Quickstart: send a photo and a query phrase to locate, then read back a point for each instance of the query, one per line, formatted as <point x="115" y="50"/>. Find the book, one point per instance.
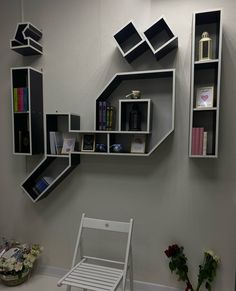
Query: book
<point x="68" y="145"/>
<point x="20" y="93"/>
<point x="197" y="140"/>
<point x="200" y="141"/>
<point x="42" y="184"/>
<point x="52" y="142"/>
<point x="100" y="115"/>
<point x="193" y="147"/>
<point x="104" y="112"/>
<point x="56" y="142"/>
<point x="15" y="99"/>
<point x="204" y="151"/>
<point x="110" y="117"/>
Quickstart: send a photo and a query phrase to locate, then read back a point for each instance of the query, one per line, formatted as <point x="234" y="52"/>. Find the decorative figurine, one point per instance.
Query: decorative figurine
<point x="135" y="118"/>
<point x="205" y="47"/>
<point x="135" y="94"/>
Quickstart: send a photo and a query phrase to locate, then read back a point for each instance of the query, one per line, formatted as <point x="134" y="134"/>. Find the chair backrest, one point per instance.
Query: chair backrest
<point x="107" y="225"/>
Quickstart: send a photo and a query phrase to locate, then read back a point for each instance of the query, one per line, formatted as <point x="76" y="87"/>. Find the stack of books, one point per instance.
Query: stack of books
<point x="199" y="141"/>
<point x="42" y="184"/>
<point x="106" y="116"/>
<point x="20" y="99"/>
<point x="56" y="142"/>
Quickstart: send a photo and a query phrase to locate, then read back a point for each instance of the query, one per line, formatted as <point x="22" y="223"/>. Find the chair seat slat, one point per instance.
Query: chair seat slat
<point x="96" y="276"/>
<point x="73" y="284"/>
<point x="98" y="267"/>
<point x="72" y="276"/>
<point x="97" y="272"/>
<point x="88" y="284"/>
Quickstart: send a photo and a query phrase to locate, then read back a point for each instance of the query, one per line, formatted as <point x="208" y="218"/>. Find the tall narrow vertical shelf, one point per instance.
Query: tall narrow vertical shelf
<point x="54" y="167"/>
<point x="204" y="121"/>
<point x="27" y="111"/>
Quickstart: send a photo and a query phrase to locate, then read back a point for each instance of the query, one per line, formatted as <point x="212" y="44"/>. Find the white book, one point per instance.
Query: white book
<point x="204" y="143"/>
<point x="52" y="140"/>
<point x="58" y="142"/>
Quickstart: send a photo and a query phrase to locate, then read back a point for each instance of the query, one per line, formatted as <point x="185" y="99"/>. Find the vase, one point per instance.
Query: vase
<point x="14" y="280"/>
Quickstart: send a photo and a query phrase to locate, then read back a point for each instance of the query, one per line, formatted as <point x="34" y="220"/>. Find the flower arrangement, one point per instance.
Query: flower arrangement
<point x="178" y="264"/>
<point x="17" y="260"/>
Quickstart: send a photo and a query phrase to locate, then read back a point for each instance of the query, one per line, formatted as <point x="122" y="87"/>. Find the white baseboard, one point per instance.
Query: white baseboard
<point x="138" y="285"/>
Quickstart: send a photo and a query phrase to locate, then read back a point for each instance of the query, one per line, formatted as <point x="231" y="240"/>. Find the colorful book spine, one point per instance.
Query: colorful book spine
<point x="15" y="99"/>
<point x="100" y="115"/>
<point x="20" y="99"/>
<point x="201" y="133"/>
<point x="104" y="117"/>
<point x="204" y="143"/>
<point x="193" y="148"/>
<point x="197" y="141"/>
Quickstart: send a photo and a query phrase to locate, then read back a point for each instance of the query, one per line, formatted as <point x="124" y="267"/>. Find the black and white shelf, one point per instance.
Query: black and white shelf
<point x="26" y="40"/>
<point x="205" y="73"/>
<point x="27" y="111"/>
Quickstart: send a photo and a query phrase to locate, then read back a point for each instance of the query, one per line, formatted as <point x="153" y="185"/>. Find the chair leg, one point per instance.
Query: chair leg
<point x="68" y="288"/>
<point x="131" y="282"/>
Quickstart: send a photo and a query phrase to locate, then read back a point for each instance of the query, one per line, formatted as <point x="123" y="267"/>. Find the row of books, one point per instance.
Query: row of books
<point x="20" y="99"/>
<point x="42" y="184"/>
<point x="59" y="144"/>
<point x="106" y="116"/>
<point x="199" y="141"/>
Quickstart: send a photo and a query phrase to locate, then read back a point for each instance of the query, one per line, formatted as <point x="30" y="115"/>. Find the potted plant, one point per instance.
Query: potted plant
<point x="178" y="264"/>
<point x="17" y="261"/>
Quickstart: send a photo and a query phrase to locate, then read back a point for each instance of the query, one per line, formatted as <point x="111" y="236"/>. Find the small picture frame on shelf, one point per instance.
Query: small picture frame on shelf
<point x="68" y="145"/>
<point x="88" y="143"/>
<point x="204" y="97"/>
<point x="138" y="144"/>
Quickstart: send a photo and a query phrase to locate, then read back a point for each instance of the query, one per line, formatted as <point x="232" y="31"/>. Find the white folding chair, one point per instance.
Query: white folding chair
<point x="92" y="276"/>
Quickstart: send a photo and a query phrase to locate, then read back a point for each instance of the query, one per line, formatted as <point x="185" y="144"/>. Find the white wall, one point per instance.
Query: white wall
<point x="171" y="197"/>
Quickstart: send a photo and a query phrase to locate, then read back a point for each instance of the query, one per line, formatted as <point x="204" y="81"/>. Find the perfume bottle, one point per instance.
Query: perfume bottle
<point x="135" y="117"/>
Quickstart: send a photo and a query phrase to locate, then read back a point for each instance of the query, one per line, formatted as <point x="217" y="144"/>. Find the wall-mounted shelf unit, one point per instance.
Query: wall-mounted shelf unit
<point x="156" y="105"/>
<point x="205" y="86"/>
<point x="27" y="111"/>
<point x="54" y="167"/>
<point x="26" y="40"/>
<point x="160" y="38"/>
<point x="130" y="42"/>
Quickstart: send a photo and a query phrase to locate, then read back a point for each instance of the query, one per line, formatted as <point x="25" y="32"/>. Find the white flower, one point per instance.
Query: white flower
<point x="213" y="255"/>
<point x="18" y="266"/>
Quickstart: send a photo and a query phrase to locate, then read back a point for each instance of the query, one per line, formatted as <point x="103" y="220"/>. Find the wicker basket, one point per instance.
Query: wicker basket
<point x="10" y="280"/>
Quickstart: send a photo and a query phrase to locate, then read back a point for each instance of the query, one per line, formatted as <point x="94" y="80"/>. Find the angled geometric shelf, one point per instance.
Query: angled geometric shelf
<point x="26" y="39"/>
<point x="54" y="167"/>
<point x="157" y="109"/>
<point x="157" y="106"/>
<point x="130" y="42"/>
<point x="160" y="38"/>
